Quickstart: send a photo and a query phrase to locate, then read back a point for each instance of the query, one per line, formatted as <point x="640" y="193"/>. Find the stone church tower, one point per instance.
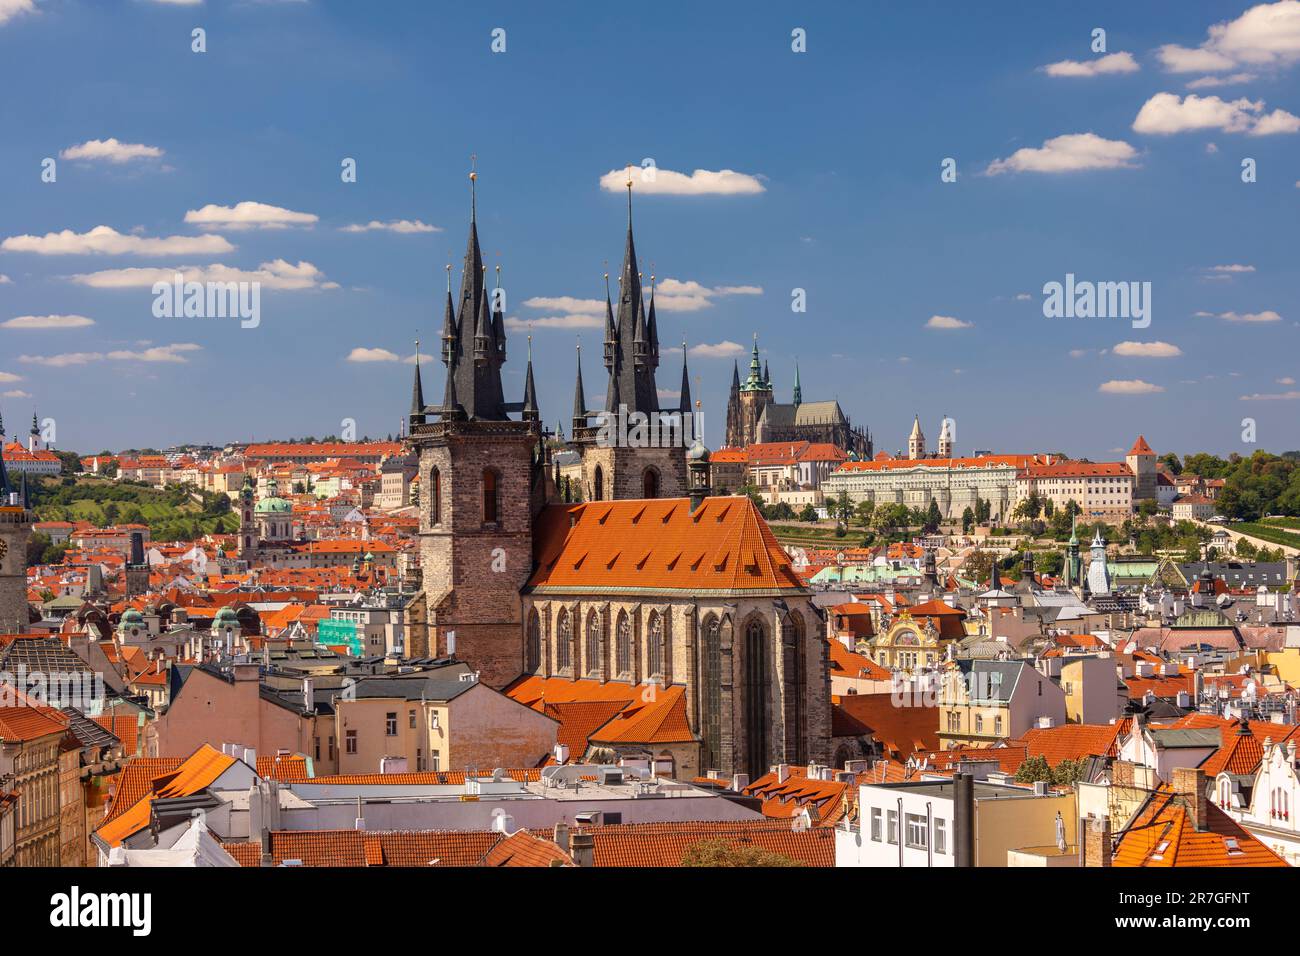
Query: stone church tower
<point x="634" y="451"/>
<point x="15" y="530"/>
<point x="747" y="401"/>
<point x="483" y="479"/>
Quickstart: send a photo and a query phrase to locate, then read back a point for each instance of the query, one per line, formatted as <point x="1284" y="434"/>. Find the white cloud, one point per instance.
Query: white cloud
<point x="277" y="274"/>
<point x="248" y="215"/>
<point x="666" y="182"/>
<point x="404" y="226"/>
<point x="11" y="8"/>
<point x="17" y="393"/>
<point x="1079" y="353"/>
<point x="8" y="377"/>
<point x="5" y="280"/>
<point x="1268" y="315"/>
<point x="724" y="349"/>
<point x="1232" y="268"/>
<point x="1111" y="63"/>
<point x="47" y="322"/>
<point x="1266" y="35"/>
<point x="107" y="241"/>
<point x="110" y="151"/>
<point x="1211" y="82"/>
<point x="1071" y="152"/>
<point x="572" y="321"/>
<point x="946" y="322"/>
<point x="1147" y="350"/>
<point x="1023" y="296"/>
<point x="1278" y="121"/>
<point x="1272" y="397"/>
<point x="1181" y="59"/>
<point x="1168" y="113"/>
<point x="372" y="355"/>
<point x="1286" y="380"/>
<point x="1133" y="386"/>
<point x="565" y="303"/>
<point x="159" y="353"/>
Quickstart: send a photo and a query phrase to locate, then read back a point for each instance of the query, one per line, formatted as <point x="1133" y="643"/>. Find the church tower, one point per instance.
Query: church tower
<point x="1141" y="460"/>
<point x="945" y="438"/>
<point x="636" y="450"/>
<point x="483" y="479"/>
<point x="249" y="541"/>
<point x="15" y="530"/>
<point x="916" y="440"/>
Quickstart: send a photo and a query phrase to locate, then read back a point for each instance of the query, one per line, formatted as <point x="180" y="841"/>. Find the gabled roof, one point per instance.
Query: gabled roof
<point x="1140" y="447"/>
<point x="657" y="545"/>
<point x="1164" y="834"/>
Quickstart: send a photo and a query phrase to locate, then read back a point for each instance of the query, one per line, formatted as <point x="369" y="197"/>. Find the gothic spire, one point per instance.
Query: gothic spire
<point x="611" y="331"/>
<point x="735" y="375"/>
<point x="530" y="390"/>
<point x="579" y="398"/>
<point x="417" y="391"/>
<point x="685" y="403"/>
<point x="631" y="372"/>
<point x="798" y="392"/>
<point x="652" y="325"/>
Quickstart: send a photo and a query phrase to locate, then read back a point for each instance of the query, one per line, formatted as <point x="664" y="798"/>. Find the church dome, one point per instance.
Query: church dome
<point x="273" y="505"/>
<point x="225" y="618"/>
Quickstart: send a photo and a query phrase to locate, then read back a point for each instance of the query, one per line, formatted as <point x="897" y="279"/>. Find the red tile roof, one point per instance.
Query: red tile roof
<point x="902" y="731"/>
<point x="1163" y="834"/>
<point x="723" y="546"/>
<point x="664" y="844"/>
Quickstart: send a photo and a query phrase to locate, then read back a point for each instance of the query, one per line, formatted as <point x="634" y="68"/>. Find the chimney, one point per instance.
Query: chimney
<point x="1096" y="842"/>
<point x="1189" y="785"/>
<point x="361" y="820"/>
<point x="782" y="772"/>
<point x="562" y="836"/>
<point x="739" y="782"/>
<point x="963" y="823"/>
<point x="583" y="848"/>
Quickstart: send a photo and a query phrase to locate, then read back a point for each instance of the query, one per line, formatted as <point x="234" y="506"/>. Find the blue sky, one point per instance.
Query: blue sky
<point x="836" y="154"/>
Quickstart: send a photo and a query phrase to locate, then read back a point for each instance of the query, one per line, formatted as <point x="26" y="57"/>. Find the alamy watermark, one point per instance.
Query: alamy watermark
<point x="83" y="690"/>
<point x="624" y="429"/>
<point x="209" y="300"/>
<point x="1100" y="300"/>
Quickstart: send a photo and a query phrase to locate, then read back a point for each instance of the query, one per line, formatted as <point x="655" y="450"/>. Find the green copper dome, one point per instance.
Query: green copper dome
<point x="273" y="504"/>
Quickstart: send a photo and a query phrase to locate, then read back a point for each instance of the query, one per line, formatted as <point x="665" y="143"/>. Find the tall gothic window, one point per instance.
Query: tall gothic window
<point x="592" y="658"/>
<point x="711" y="694"/>
<point x="756" y="690"/>
<point x="650" y="484"/>
<point x="599" y="483"/>
<point x="491" y="496"/>
<point x="655" y="634"/>
<point x="564" y="642"/>
<point x="533" y="647"/>
<point x="435" y="497"/>
<point x="623" y="646"/>
<point x="796" y="676"/>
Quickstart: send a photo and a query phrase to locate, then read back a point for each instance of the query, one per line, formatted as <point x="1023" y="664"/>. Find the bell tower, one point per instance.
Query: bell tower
<point x="482" y="481"/>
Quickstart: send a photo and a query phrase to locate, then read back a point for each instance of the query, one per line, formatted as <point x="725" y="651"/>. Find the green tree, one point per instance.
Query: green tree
<point x="933" y="517"/>
<point x="967" y="520"/>
<point x="864" y="511"/>
<point x="1033" y="770"/>
<point x="808" y="514"/>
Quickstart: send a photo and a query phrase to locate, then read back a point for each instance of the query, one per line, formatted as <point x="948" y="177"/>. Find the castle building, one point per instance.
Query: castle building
<point x="916" y="440"/>
<point x="754" y="417"/>
<point x="651" y="590"/>
<point x="1141" y="461"/>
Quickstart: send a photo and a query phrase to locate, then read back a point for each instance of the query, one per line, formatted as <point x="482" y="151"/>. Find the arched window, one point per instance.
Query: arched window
<point x="564" y="642"/>
<point x="592" y="655"/>
<point x="435" y="497"/>
<point x="650" y="484"/>
<point x="655" y="632"/>
<point x="533" y="644"/>
<point x="711" y="694"/>
<point x="623" y="646"/>
<point x="756" y="690"/>
<point x="599" y="484"/>
<point x="796" y="678"/>
<point x="491" y="496"/>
